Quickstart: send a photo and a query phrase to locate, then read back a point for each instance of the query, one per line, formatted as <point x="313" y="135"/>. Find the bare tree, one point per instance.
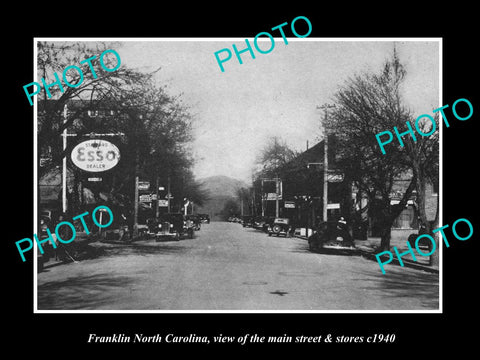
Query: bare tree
<point x="275" y="154"/>
<point x="423" y="158"/>
<point x="366" y="105"/>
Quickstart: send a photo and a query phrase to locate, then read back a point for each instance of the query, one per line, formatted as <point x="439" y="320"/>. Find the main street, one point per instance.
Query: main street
<point x="228" y="267"/>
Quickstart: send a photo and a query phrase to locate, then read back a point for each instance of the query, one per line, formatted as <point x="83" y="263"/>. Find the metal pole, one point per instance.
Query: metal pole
<point x="156" y="202"/>
<point x="168" y="194"/>
<point x="276" y="197"/>
<point x="325" y="108"/>
<point x="64" y="163"/>
<point x="325" y="179"/>
<point x="263" y="209"/>
<point x="135" y="209"/>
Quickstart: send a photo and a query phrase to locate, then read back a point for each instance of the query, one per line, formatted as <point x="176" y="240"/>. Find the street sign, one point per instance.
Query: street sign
<point x="273" y="196"/>
<point x="168" y="196"/>
<point x="289" y="205"/>
<point x="95" y="155"/>
<point x="94" y="179"/>
<point x="163" y="203"/>
<point x="335" y="178"/>
<point x="143" y="185"/>
<point x="333" y="206"/>
<point x="145" y="198"/>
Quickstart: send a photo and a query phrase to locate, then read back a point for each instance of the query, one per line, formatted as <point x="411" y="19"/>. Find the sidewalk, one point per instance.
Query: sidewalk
<point x="81" y="242"/>
<point x="80" y="249"/>
<point x="368" y="249"/>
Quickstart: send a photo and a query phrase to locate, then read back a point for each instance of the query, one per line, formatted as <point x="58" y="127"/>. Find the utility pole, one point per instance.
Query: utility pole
<point x="156" y="197"/>
<point x="325" y="178"/>
<point x="137" y="171"/>
<point x="325" y="108"/>
<point x="254" y="205"/>
<point x="135" y="205"/>
<point x="261" y="193"/>
<point x="277" y="208"/>
<point x="168" y="194"/>
<point x="64" y="162"/>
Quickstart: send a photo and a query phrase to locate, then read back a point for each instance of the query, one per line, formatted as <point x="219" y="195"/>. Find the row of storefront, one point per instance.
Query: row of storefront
<point x="301" y="196"/>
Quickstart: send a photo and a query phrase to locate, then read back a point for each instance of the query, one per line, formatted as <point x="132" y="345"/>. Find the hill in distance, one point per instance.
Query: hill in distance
<point x="221" y="188"/>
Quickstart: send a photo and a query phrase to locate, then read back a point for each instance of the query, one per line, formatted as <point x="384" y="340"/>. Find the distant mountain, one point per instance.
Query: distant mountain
<point x="221" y="188"/>
<point x="221" y="185"/>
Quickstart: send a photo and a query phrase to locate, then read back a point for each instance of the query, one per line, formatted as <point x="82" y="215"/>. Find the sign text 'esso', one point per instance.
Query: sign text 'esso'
<point x="95" y="155"/>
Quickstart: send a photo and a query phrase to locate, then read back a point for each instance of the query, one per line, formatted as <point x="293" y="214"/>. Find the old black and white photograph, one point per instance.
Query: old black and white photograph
<point x="234" y="175"/>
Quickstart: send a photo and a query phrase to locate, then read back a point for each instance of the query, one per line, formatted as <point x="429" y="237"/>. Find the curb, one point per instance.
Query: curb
<point x="406" y="263"/>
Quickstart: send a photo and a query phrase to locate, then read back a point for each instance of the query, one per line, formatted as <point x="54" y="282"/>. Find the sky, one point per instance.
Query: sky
<point x="275" y="94"/>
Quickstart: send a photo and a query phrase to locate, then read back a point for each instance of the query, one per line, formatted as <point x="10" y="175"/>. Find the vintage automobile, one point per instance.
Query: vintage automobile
<point x="269" y="220"/>
<point x="423" y="243"/>
<point x="258" y="222"/>
<point x="247" y="221"/>
<point x="204" y="218"/>
<point x="170" y="227"/>
<point x="195" y="221"/>
<point x="331" y="235"/>
<point x="280" y="226"/>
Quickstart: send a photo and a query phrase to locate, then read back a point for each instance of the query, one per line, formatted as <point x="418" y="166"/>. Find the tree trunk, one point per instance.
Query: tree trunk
<point x="386" y="235"/>
<point x="391" y="212"/>
<point x="421" y="185"/>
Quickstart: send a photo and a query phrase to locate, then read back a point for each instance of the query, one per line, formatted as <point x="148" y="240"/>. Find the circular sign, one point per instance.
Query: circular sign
<point x="95" y="155"/>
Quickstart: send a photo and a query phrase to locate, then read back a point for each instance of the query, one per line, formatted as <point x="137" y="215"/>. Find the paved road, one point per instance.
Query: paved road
<point x="227" y="267"/>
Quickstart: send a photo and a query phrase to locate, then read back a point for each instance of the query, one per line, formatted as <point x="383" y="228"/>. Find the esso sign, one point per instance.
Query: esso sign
<point x="95" y="155"/>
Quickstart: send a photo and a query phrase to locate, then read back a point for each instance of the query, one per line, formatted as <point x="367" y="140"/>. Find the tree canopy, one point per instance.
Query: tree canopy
<point x="154" y="127"/>
<point x="366" y="105"/>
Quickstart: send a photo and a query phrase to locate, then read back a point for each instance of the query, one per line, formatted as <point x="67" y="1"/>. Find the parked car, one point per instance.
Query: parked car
<point x="195" y="221"/>
<point x="280" y="226"/>
<point x="331" y="235"/>
<point x="423" y="243"/>
<point x="171" y="227"/>
<point x="258" y="222"/>
<point x="204" y="218"/>
<point x="247" y="221"/>
<point x="269" y="220"/>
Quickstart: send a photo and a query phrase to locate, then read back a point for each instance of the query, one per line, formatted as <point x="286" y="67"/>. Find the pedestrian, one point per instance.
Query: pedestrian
<point x="130" y="225"/>
<point x="343" y="230"/>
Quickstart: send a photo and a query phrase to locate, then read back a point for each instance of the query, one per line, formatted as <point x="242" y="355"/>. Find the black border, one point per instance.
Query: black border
<point x="50" y="332"/>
